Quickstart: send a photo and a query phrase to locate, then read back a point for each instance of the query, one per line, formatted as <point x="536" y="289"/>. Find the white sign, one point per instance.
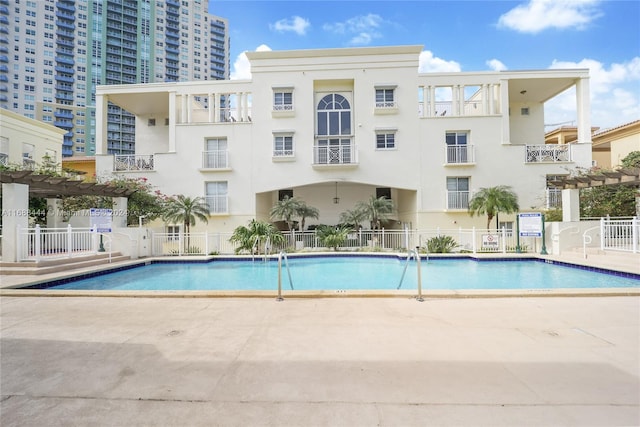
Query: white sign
<point x="530" y="224"/>
<point x="490" y="241"/>
<point x="101" y="219"/>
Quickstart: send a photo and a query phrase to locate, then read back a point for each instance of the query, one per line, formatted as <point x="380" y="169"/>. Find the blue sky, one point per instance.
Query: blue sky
<point x="603" y="36"/>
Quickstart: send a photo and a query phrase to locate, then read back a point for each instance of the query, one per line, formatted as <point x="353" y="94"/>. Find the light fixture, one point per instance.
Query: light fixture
<point x="522" y="92"/>
<point x="336" y="199"/>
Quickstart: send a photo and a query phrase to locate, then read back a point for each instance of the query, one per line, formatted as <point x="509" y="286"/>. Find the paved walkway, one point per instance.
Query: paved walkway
<point x="324" y="361"/>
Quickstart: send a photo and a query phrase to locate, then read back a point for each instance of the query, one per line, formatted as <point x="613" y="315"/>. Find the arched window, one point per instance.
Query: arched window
<point x="334" y="115"/>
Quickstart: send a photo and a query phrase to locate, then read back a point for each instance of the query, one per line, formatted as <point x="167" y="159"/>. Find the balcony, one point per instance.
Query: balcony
<point x="548" y="153"/>
<point x="4" y="159"/>
<point x="28" y="163"/>
<point x="457" y="200"/>
<point x="217" y="204"/>
<point x="133" y="163"/>
<point x="460" y="155"/>
<point x="215" y="159"/>
<point x="334" y="152"/>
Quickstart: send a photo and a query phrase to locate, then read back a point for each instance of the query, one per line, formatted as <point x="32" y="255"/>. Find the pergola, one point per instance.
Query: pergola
<point x="55" y="187"/>
<point x="624" y="176"/>
<point x="17" y="186"/>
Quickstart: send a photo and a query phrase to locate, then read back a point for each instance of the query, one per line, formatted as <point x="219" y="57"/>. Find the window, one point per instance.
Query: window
<point x="385" y="98"/>
<point x="216" y="196"/>
<point x="282" y="194"/>
<point x="282" y="100"/>
<point x="457" y="148"/>
<point x="385" y="140"/>
<point x="283" y="145"/>
<point x="334" y="131"/>
<point x="215" y="155"/>
<point x="457" y="193"/>
<point x="383" y="192"/>
<point x="173" y="232"/>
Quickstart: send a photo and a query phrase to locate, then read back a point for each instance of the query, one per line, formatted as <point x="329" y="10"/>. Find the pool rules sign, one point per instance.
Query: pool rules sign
<point x="531" y="225"/>
<point x="101" y="219"/>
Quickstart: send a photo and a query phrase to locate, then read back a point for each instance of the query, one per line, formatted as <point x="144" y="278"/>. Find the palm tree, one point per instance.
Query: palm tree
<point x="376" y="210"/>
<point x="332" y="237"/>
<point x="491" y="201"/>
<point x="185" y="210"/>
<point x="286" y="210"/>
<point x="305" y="211"/>
<point x="254" y="235"/>
<point x="353" y="217"/>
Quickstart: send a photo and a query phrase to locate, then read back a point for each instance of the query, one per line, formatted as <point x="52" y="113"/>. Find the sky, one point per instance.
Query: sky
<point x="472" y="35"/>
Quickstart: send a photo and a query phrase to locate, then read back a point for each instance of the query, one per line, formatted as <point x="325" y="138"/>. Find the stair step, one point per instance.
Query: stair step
<point x="55" y="266"/>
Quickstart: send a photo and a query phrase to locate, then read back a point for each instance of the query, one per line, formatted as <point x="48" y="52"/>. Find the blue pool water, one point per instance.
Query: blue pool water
<point x="352" y="273"/>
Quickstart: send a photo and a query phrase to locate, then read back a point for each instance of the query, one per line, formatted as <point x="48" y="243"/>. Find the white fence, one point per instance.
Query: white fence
<point x="36" y="244"/>
<point x="467" y="240"/>
<point x="620" y="234"/>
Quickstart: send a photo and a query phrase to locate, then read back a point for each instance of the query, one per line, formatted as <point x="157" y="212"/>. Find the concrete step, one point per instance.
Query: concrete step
<point x="58" y="265"/>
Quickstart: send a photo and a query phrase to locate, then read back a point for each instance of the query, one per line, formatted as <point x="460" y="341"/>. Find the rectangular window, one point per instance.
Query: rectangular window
<point x="283" y="145"/>
<point x="385" y="140"/>
<point x="457" y="147"/>
<point x="173" y="232"/>
<point x="457" y="192"/>
<point x="385" y="98"/>
<point x="282" y="100"/>
<point x="216" y="155"/>
<point x="383" y="192"/>
<point x="216" y="196"/>
<point x="285" y="193"/>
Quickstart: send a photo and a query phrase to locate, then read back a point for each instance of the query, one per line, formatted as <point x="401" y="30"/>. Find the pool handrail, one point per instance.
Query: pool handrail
<point x="415" y="252"/>
<point x="281" y="255"/>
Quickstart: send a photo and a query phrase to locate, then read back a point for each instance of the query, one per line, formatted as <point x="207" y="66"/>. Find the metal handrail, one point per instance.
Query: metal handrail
<point x="415" y="253"/>
<point x="586" y="239"/>
<point x="282" y="255"/>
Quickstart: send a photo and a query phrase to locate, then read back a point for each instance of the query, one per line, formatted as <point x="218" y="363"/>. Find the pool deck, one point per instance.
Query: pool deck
<point x="446" y="361"/>
<point x="320" y="362"/>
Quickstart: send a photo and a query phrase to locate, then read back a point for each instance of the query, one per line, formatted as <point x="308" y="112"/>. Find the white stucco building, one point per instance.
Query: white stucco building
<point x="335" y="126"/>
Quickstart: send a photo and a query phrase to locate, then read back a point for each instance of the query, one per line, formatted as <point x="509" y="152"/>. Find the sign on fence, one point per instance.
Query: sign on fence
<point x="530" y="224"/>
<point x="490" y="241"/>
<point x="101" y="219"/>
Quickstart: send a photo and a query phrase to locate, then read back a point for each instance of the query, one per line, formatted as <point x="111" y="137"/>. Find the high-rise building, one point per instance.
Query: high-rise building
<point x="53" y="54"/>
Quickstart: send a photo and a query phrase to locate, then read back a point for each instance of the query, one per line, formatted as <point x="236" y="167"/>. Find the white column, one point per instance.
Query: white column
<point x="485" y="100"/>
<point x="504" y="102"/>
<point x="218" y="108"/>
<point x="101" y="125"/>
<point x="183" y="109"/>
<point x="212" y="109"/>
<point x="583" y="111"/>
<point x="15" y="208"/>
<point x="172" y="122"/>
<point x="189" y="107"/>
<point x="432" y="101"/>
<point x="570" y="205"/>
<point x="425" y="102"/>
<point x="239" y="107"/>
<point x="55" y="214"/>
<point x="119" y="212"/>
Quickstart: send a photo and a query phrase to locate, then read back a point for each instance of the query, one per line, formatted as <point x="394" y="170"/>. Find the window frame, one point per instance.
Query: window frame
<point x="283" y="151"/>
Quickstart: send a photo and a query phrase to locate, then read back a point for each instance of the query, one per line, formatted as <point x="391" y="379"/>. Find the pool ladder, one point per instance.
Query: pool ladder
<point x="283" y="255"/>
<point x="416" y="254"/>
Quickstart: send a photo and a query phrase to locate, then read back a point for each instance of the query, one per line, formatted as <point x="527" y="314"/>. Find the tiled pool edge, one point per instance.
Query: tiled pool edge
<point x="40" y="287"/>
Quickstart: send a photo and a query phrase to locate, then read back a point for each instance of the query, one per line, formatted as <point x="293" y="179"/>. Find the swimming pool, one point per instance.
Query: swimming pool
<point x="353" y="273"/>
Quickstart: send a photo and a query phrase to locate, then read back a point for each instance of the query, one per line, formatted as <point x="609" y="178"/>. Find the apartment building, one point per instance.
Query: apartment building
<point x="53" y="54"/>
<point x="336" y="126"/>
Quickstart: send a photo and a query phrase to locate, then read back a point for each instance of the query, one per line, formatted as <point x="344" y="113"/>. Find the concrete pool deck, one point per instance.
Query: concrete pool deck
<point x="323" y="361"/>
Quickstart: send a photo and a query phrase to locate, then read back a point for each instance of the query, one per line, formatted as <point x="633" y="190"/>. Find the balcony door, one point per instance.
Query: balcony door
<point x="333" y="129"/>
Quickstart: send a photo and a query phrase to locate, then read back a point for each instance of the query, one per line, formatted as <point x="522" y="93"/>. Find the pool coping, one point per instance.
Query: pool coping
<point x="29" y="288"/>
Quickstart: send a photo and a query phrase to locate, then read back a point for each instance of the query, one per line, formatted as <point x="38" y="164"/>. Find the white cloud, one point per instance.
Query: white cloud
<point x="242" y="67"/>
<point x="538" y="15"/>
<point x="363" y="28"/>
<point x="615" y="96"/>
<point x="430" y="64"/>
<point x="296" y="24"/>
<point x="496" y="65"/>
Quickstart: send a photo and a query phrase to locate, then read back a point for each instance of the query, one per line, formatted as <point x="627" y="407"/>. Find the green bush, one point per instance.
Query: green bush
<point x="441" y="244"/>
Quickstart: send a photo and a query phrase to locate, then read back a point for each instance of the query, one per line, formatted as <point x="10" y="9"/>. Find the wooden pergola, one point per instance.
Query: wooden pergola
<point x="56" y="187"/>
<point x="622" y="176"/>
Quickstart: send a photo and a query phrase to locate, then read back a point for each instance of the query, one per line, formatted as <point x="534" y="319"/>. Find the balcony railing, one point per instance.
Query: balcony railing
<point x="548" y="153"/>
<point x="386" y="104"/>
<point x="215" y="159"/>
<point x="554" y="198"/>
<point x="457" y="199"/>
<point x="4" y="159"/>
<point x="28" y="163"/>
<point x="460" y="154"/>
<point x="217" y="204"/>
<point x="132" y="162"/>
<point x="283" y="107"/>
<point x="343" y="154"/>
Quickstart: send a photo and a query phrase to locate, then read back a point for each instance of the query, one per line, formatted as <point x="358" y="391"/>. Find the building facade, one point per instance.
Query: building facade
<point x="337" y="126"/>
<point x="53" y="54"/>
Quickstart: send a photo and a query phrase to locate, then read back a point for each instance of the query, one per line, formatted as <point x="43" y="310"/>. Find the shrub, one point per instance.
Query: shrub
<point x="441" y="244"/>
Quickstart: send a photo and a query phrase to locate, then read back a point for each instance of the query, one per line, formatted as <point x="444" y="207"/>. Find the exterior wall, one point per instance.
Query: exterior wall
<point x="85" y="165"/>
<point x="481" y="105"/>
<point x="17" y="130"/>
<point x="623" y="146"/>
